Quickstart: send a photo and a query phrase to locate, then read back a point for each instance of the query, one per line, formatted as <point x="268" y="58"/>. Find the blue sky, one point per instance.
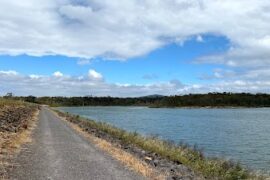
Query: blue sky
<point x="134" y="48"/>
<point x="173" y="61"/>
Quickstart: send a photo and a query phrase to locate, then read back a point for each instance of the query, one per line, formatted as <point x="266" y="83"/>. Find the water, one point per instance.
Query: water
<point x="239" y="134"/>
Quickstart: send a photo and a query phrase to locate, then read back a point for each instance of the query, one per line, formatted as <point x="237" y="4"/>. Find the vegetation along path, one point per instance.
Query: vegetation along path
<point x="58" y="152"/>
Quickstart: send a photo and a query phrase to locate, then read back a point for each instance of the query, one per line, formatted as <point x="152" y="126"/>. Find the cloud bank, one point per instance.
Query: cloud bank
<point x="93" y="83"/>
<point x="124" y="29"/>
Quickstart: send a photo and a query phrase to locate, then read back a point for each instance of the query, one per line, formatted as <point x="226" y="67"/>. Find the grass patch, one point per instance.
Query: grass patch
<point x="16" y="103"/>
<point x="210" y="168"/>
<point x="10" y="102"/>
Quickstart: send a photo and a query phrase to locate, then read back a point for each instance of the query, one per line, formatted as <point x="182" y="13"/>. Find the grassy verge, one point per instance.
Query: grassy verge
<point x="9" y="102"/>
<point x="192" y="158"/>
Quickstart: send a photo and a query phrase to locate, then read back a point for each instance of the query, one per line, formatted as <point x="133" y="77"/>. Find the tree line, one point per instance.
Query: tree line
<point x="190" y="100"/>
<point x="217" y="100"/>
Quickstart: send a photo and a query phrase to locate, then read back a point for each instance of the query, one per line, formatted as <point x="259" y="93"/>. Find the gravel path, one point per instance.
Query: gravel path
<point x="58" y="152"/>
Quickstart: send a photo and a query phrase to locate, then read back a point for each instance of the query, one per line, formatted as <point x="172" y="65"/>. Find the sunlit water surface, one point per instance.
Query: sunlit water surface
<point x="239" y="134"/>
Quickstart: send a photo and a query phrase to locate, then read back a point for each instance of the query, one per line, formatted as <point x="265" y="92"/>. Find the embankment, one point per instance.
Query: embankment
<point x="17" y="119"/>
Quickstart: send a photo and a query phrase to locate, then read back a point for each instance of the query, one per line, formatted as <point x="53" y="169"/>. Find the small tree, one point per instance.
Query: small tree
<point x="8" y="95"/>
<point x="31" y="99"/>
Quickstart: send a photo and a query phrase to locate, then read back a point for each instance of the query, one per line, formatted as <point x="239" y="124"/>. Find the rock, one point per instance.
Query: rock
<point x="177" y="162"/>
<point x="156" y="162"/>
<point x="148" y="158"/>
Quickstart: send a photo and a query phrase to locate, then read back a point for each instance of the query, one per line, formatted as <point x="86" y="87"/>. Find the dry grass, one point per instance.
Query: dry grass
<point x="10" y="102"/>
<point x="124" y="157"/>
<point x="10" y="143"/>
<point x="16" y="140"/>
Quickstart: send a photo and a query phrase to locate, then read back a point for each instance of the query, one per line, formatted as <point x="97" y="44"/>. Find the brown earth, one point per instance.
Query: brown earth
<point x="14" y="119"/>
<point x="16" y="123"/>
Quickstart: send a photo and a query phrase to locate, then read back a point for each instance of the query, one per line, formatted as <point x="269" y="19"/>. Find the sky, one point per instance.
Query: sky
<point x="134" y="48"/>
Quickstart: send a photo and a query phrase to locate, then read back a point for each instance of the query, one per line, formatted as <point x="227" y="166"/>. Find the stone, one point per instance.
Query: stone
<point x="148" y="158"/>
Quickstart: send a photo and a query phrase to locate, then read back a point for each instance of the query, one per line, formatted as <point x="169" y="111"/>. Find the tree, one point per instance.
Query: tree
<point x="8" y="95"/>
<point x="31" y="99"/>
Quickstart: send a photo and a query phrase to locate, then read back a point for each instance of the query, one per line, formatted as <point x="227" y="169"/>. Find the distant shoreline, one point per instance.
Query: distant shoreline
<point x="176" y="107"/>
<point x="210" y="100"/>
<point x="213" y="107"/>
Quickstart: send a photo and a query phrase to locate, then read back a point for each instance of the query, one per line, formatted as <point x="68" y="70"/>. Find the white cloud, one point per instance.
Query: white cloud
<point x="150" y="76"/>
<point x="124" y="29"/>
<point x="245" y="74"/>
<point x="9" y="73"/>
<point x="91" y="84"/>
<point x="83" y="61"/>
<point x="83" y="85"/>
<point x="199" y="38"/>
<point x="58" y="74"/>
<point x="34" y="76"/>
<point x="92" y="74"/>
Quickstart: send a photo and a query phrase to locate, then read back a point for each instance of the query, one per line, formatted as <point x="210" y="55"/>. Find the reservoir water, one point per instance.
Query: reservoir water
<point x="241" y="134"/>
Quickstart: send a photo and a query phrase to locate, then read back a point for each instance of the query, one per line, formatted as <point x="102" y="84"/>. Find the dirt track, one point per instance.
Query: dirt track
<point x="58" y="152"/>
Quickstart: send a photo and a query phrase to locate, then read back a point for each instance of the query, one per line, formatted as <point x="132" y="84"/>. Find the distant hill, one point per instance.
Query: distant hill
<point x="153" y="96"/>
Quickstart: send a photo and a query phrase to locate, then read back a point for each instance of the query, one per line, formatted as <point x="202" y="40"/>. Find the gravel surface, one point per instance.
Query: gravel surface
<point x="58" y="152"/>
